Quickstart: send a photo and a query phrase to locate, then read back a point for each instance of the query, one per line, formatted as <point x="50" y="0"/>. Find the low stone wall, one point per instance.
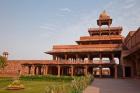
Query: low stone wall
<point x="14" y="66"/>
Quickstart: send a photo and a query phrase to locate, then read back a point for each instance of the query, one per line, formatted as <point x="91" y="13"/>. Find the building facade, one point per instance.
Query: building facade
<point x="104" y="53"/>
<point x="131" y="54"/>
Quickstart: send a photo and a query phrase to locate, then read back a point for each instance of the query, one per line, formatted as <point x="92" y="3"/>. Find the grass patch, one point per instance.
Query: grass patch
<point x="30" y="86"/>
<point x="47" y="78"/>
<point x="44" y="84"/>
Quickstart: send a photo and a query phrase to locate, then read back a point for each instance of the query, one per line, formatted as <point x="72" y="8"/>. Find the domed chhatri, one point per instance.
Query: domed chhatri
<point x="104" y="15"/>
<point x="5" y="54"/>
<point x="104" y="19"/>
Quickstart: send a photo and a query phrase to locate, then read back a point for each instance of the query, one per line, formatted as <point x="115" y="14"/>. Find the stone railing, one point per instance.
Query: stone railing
<point x="106" y="29"/>
<point x="85" y="46"/>
<point x="111" y="37"/>
<point x="75" y="62"/>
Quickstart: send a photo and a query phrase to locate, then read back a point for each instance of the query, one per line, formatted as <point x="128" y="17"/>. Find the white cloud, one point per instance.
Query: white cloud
<point x="65" y="10"/>
<point x="48" y="27"/>
<point x="129" y="5"/>
<point x="129" y="1"/>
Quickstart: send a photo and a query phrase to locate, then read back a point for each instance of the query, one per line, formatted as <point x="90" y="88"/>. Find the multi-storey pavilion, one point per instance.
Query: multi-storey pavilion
<point x="103" y="42"/>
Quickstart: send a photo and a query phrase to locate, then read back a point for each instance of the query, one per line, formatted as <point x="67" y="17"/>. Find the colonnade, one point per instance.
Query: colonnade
<point x="48" y="69"/>
<point x="70" y="70"/>
<point x="81" y="58"/>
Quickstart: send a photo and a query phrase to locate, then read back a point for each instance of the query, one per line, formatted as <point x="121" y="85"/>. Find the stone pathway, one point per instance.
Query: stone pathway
<point x="114" y="86"/>
<point x="91" y="89"/>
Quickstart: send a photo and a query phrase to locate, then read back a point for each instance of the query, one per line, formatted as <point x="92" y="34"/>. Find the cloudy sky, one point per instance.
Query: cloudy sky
<point x="30" y="27"/>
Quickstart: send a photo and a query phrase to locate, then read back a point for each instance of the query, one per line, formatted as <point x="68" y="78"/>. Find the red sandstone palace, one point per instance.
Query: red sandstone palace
<point x="94" y="54"/>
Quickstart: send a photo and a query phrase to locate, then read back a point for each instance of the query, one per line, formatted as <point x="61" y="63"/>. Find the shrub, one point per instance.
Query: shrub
<point x="15" y="85"/>
<point x="77" y="85"/>
<point x="57" y="88"/>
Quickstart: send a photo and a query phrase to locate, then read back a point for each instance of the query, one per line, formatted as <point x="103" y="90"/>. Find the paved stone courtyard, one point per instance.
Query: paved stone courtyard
<point x="114" y="86"/>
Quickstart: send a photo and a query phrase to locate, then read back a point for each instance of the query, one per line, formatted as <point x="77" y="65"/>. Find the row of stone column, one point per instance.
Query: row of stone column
<point x="115" y="71"/>
<point x="72" y="70"/>
<point x="43" y="70"/>
<point x="34" y="69"/>
<point x="78" y="58"/>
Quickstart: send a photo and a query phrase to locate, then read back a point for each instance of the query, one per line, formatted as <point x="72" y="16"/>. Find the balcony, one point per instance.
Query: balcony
<point x="106" y="29"/>
<point x="68" y="62"/>
<point x="85" y="46"/>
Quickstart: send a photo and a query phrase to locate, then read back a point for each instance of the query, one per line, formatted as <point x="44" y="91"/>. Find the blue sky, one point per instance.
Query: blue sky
<point x="30" y="27"/>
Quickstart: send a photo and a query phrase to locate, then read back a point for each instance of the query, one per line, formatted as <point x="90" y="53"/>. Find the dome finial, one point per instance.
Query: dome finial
<point x="104" y="19"/>
<point x="104" y="15"/>
<point x="104" y="11"/>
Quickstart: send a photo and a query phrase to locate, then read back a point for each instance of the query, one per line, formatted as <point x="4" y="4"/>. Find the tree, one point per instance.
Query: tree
<point x="2" y="62"/>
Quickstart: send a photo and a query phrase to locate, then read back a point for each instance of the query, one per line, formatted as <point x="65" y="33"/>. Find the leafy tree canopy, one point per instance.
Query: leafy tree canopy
<point x="2" y="61"/>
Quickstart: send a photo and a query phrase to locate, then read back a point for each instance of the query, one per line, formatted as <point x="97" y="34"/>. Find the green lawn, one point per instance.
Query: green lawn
<point x="30" y="86"/>
<point x="45" y="84"/>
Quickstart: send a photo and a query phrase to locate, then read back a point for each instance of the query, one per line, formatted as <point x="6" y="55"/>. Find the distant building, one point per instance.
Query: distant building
<point x="88" y="57"/>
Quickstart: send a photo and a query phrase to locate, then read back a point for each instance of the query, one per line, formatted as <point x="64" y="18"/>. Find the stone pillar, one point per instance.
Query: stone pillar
<point x="100" y="56"/>
<point x="122" y="65"/>
<point x="85" y="70"/>
<point x="22" y="70"/>
<point x="100" y="70"/>
<point x="66" y="56"/>
<point x="58" y="67"/>
<point x="72" y="71"/>
<point x="100" y="27"/>
<point x="109" y="26"/>
<point x="37" y="72"/>
<point x="112" y="57"/>
<point x="88" y="56"/>
<point x="115" y="74"/>
<point x="33" y="70"/>
<point x="43" y="70"/>
<point x="58" y="58"/>
<point x="54" y="57"/>
<point x="46" y="69"/>
<point x="77" y="57"/>
<point x="29" y="70"/>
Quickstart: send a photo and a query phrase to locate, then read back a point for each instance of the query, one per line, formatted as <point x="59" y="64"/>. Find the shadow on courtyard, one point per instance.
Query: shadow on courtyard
<point x="117" y="85"/>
